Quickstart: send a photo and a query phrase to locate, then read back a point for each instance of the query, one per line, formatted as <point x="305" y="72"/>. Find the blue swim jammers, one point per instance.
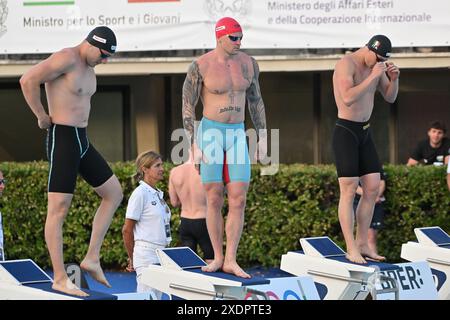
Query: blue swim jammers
<point x="218" y="141"/>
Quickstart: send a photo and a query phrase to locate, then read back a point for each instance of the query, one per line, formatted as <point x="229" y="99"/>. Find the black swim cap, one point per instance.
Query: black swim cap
<point x="381" y="45"/>
<point x="103" y="38"/>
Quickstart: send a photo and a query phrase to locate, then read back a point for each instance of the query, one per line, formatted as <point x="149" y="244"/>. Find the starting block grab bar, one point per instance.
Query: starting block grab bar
<point x="223" y="292"/>
<point x="377" y="277"/>
<point x="371" y="282"/>
<point x="214" y="294"/>
<point x="438" y="261"/>
<point x="334" y="276"/>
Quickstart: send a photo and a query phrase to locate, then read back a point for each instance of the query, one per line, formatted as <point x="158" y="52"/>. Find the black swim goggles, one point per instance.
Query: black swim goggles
<point x="235" y="38"/>
<point x="380" y="58"/>
<point x="103" y="55"/>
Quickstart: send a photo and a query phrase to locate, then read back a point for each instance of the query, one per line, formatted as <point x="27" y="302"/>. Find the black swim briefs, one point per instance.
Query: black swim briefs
<point x="354" y="149"/>
<point x="194" y="232"/>
<point x="69" y="152"/>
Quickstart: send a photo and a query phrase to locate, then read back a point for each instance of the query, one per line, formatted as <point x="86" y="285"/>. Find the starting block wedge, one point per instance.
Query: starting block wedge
<point x="325" y="261"/>
<point x="25" y="280"/>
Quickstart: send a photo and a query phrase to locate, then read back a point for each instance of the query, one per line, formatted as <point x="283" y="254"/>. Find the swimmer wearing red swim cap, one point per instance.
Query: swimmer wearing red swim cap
<point x="226" y="26"/>
<point x="229" y="34"/>
<point x="224" y="79"/>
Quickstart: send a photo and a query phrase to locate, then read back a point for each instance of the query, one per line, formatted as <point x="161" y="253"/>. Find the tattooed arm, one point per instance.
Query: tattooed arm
<point x="255" y="103"/>
<point x="192" y="88"/>
<point x="257" y="112"/>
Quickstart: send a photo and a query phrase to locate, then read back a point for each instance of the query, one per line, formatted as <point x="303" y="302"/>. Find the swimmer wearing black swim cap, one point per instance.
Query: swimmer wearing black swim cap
<point x="70" y="82"/>
<point x="103" y="38"/>
<point x="381" y="45"/>
<point x="357" y="77"/>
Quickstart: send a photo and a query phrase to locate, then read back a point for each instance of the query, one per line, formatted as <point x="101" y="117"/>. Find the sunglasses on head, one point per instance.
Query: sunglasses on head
<point x="103" y="55"/>
<point x="235" y="38"/>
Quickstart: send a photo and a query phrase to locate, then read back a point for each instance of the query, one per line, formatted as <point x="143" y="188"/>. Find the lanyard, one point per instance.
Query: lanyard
<point x="163" y="203"/>
<point x="166" y="217"/>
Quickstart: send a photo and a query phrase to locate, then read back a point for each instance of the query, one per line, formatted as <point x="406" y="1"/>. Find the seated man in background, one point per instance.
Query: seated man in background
<point x="434" y="150"/>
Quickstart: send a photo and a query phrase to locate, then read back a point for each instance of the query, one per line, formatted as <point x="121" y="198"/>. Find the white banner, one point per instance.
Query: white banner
<point x="43" y="26"/>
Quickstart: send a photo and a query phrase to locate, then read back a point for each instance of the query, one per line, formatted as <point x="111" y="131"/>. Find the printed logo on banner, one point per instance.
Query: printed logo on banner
<point x="3" y="16"/>
<point x="216" y="9"/>
<point x="288" y="288"/>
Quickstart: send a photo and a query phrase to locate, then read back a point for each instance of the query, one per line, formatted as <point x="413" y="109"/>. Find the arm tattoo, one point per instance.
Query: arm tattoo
<point x="255" y="101"/>
<point x="246" y="73"/>
<point x="191" y="92"/>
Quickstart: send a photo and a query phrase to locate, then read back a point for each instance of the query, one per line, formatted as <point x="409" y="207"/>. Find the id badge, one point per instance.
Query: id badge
<point x="167" y="227"/>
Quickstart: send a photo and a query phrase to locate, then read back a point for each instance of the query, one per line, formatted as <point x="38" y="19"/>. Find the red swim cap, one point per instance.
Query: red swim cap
<point x="226" y="26"/>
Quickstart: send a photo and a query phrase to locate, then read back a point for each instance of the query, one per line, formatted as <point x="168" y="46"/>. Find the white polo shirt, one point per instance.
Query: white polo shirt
<point x="147" y="206"/>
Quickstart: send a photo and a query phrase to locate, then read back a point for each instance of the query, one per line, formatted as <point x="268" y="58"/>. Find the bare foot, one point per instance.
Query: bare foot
<point x="213" y="266"/>
<point x="95" y="271"/>
<point x="69" y="288"/>
<point x="371" y="255"/>
<point x="355" y="256"/>
<point x="233" y="267"/>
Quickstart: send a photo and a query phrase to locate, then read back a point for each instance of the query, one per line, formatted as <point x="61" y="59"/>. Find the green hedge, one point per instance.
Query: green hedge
<point x="299" y="201"/>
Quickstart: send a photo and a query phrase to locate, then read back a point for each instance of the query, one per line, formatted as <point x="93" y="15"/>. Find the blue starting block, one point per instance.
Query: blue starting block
<point x="25" y="280"/>
<point x="180" y="275"/>
<point x="344" y="280"/>
<point x="180" y="258"/>
<point x="433" y="236"/>
<point x="433" y="246"/>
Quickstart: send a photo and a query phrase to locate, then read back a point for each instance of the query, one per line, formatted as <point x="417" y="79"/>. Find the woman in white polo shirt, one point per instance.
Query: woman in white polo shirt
<point x="147" y="223"/>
